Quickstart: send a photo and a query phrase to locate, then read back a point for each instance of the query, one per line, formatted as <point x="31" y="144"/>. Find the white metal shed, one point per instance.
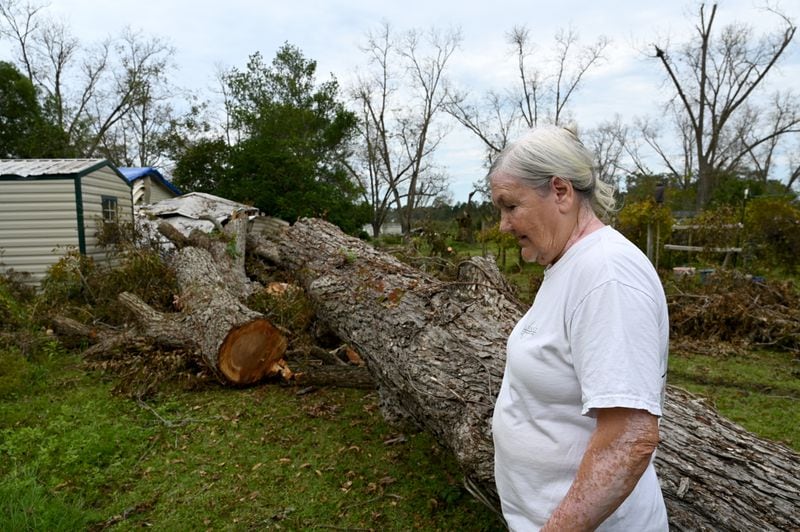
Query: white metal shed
<point x="48" y="206"/>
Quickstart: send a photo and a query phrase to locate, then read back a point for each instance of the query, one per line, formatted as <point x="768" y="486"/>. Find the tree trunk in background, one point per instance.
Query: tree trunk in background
<point x="437" y="351"/>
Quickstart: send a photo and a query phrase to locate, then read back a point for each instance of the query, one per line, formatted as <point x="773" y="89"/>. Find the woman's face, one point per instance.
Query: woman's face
<point x="533" y="218"/>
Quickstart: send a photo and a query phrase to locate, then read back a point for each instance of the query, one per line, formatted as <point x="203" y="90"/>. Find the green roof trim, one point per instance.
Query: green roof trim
<point x="79" y="214"/>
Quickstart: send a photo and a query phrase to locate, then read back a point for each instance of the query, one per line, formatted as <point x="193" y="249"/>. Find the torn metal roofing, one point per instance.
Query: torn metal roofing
<point x="191" y="211"/>
<point x="197" y="205"/>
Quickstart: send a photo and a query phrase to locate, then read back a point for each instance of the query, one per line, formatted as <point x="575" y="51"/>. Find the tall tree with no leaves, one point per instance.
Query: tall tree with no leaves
<point x="719" y="78"/>
<point x="542" y="93"/>
<point x="87" y="91"/>
<point x="401" y="94"/>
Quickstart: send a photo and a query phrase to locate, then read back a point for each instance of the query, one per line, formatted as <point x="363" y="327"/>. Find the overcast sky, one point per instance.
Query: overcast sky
<point x="207" y="34"/>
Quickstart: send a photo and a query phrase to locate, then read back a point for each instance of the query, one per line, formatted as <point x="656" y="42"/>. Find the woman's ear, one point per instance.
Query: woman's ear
<point x="563" y="191"/>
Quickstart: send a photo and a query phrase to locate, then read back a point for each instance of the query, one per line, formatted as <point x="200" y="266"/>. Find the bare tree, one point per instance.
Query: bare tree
<point x="20" y="24"/>
<point x="145" y="88"/>
<point x="372" y="168"/>
<point x="541" y="95"/>
<point x="651" y="133"/>
<point x="90" y="91"/>
<point x="793" y="163"/>
<point x="718" y="78"/>
<point x="401" y="95"/>
<point x="608" y="141"/>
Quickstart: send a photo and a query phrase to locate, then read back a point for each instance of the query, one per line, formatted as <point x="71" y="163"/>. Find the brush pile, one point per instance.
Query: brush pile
<point x="737" y="309"/>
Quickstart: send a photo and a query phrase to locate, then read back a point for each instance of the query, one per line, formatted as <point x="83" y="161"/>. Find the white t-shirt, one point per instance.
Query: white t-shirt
<point x="596" y="337"/>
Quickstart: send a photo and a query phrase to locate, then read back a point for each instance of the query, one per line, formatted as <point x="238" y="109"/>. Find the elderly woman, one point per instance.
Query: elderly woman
<point x="575" y="425"/>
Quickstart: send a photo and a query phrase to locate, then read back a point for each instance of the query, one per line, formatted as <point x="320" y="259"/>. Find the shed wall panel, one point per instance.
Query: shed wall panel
<point x="48" y="215"/>
<point x="159" y="192"/>
<point x="103" y="182"/>
<point x="36" y="218"/>
<point x="26" y="238"/>
<point x="15" y="224"/>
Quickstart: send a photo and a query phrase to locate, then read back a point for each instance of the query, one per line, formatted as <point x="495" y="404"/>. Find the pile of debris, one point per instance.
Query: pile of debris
<point x="735" y="308"/>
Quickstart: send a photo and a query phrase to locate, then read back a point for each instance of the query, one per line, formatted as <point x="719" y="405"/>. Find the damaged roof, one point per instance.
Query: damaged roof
<point x="192" y="210"/>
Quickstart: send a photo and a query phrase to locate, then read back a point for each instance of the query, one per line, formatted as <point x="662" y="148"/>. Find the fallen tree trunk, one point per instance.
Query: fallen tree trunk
<point x="338" y="376"/>
<point x="239" y="345"/>
<point x="437" y="350"/>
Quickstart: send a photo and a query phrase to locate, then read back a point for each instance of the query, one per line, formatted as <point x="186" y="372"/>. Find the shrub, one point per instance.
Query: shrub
<point x="78" y="287"/>
<point x="65" y="282"/>
<point x="634" y="218"/>
<point x="503" y="241"/>
<point x="718" y="227"/>
<point x="772" y="229"/>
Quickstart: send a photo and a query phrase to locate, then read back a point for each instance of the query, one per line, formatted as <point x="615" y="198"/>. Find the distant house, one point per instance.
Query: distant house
<point x="387" y="228"/>
<point x="48" y="206"/>
<point x="149" y="186"/>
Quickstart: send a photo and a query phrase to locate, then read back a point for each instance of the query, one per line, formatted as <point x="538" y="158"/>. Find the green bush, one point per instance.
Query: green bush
<point x="504" y="243"/>
<point x="78" y="287"/>
<point x="772" y="229"/>
<point x="65" y="282"/>
<point x="634" y="218"/>
<point x="12" y="314"/>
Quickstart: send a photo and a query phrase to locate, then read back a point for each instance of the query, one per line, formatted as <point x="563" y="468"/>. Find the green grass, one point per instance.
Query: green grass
<point x="74" y="456"/>
<point x="760" y="390"/>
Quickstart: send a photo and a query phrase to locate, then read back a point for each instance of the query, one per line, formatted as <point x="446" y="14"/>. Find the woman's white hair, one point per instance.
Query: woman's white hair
<point x="545" y="152"/>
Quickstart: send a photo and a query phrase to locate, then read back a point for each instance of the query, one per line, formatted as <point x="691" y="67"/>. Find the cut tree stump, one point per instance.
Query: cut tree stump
<point x="239" y="345"/>
<point x="437" y="351"/>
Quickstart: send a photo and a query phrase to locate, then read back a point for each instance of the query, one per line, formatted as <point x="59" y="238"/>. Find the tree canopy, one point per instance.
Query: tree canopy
<point x="292" y="140"/>
<point x="24" y="129"/>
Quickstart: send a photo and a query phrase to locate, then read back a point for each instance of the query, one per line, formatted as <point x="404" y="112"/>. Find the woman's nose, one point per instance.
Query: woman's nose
<point x="505" y="225"/>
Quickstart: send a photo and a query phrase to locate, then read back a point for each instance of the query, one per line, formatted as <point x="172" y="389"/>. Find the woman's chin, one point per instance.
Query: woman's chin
<point x="529" y="255"/>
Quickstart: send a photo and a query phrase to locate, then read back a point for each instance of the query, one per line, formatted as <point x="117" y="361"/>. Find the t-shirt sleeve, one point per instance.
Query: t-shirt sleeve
<point x="616" y="348"/>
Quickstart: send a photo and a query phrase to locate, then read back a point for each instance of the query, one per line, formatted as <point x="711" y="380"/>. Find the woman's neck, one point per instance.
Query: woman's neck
<point x="586" y="223"/>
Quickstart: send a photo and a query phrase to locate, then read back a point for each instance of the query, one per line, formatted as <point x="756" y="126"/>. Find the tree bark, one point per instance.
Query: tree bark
<point x="339" y="376"/>
<point x="437" y="352"/>
<point x="239" y="344"/>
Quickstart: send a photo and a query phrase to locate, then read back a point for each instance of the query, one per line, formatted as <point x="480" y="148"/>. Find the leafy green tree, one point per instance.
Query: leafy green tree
<point x="294" y="142"/>
<point x="19" y="112"/>
<point x="771" y="230"/>
<point x="200" y="155"/>
<point x="24" y="129"/>
<point x="200" y="164"/>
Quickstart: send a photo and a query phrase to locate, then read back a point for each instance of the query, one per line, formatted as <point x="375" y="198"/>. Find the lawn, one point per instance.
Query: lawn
<point x="74" y="456"/>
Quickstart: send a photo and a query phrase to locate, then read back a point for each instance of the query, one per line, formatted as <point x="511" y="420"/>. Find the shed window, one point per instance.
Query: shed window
<point x="109" y="208"/>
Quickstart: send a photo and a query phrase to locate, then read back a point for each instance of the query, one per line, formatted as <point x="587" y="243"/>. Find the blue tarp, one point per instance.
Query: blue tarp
<point x="133" y="173"/>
